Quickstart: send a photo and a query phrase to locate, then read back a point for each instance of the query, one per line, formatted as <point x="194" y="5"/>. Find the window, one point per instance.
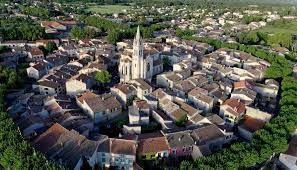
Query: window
<point x="148" y="67"/>
<point x="103" y="159"/>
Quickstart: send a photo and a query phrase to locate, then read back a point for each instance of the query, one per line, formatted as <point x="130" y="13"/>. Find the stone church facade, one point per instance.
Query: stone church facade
<point x="140" y="62"/>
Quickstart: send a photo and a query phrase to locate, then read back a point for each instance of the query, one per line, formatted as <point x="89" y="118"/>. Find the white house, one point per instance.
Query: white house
<point x="139" y="113"/>
<point x="78" y="84"/>
<point x="119" y="153"/>
<point x="46" y="87"/>
<point x="124" y="93"/>
<point x="38" y="70"/>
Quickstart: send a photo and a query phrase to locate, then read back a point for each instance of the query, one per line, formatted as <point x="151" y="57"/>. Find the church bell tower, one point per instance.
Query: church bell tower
<point x="137" y="59"/>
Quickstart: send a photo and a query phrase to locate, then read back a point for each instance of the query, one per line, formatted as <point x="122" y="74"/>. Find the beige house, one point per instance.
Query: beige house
<point x="168" y="79"/>
<point x="99" y="107"/>
<point x="232" y="111"/>
<point x="35" y="54"/>
<point x="124" y="93"/>
<point x="142" y="88"/>
<point x="200" y="100"/>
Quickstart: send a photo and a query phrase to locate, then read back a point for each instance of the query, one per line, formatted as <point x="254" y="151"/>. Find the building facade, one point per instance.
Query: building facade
<point x="143" y="64"/>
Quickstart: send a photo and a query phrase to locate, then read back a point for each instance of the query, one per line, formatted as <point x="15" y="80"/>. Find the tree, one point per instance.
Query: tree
<point x="113" y="37"/>
<point x="4" y="49"/>
<point x="248" y="19"/>
<point x="15" y="152"/>
<point x="103" y="77"/>
<point x="21" y="29"/>
<point x="81" y="33"/>
<point x="51" y="46"/>
<point x="186" y="32"/>
<point x="166" y="62"/>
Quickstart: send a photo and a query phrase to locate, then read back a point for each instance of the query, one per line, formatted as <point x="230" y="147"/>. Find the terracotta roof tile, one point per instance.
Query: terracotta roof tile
<point x="252" y="124"/>
<point x="236" y="105"/>
<point x="86" y="95"/>
<point x="152" y="143"/>
<point x="242" y="84"/>
<point x="118" y="146"/>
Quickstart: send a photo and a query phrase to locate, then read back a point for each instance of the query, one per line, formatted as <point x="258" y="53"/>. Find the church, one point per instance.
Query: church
<point x="141" y="62"/>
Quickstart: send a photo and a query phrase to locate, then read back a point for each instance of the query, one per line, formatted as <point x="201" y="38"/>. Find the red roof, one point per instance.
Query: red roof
<point x="36" y="51"/>
<point x="69" y="22"/>
<point x="243" y="84"/>
<point x="252" y="124"/>
<point x="49" y="138"/>
<point x="152" y="143"/>
<point x="52" y="24"/>
<point x="236" y="105"/>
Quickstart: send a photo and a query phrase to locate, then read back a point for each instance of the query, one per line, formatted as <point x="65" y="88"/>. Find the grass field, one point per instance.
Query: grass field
<point x="108" y="9"/>
<point x="288" y="27"/>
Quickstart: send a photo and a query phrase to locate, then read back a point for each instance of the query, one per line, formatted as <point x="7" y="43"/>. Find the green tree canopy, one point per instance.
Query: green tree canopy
<point x="103" y="77"/>
<point x="51" y="46"/>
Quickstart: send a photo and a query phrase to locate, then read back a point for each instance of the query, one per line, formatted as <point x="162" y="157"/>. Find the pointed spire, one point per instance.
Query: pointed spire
<point x="138" y="33"/>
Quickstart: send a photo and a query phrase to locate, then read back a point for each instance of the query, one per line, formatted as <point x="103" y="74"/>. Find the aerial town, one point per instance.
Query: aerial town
<point x="148" y="87"/>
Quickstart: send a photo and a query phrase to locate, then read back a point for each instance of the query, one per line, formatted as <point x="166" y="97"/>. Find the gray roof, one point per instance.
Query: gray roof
<point x="215" y="119"/>
<point x="180" y="139"/>
<point x="59" y="143"/>
<point x="50" y="84"/>
<point x="102" y="103"/>
<point x="206" y="134"/>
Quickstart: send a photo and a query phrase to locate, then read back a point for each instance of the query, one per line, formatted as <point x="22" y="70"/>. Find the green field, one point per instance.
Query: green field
<point x="287" y="27"/>
<point x="108" y="9"/>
